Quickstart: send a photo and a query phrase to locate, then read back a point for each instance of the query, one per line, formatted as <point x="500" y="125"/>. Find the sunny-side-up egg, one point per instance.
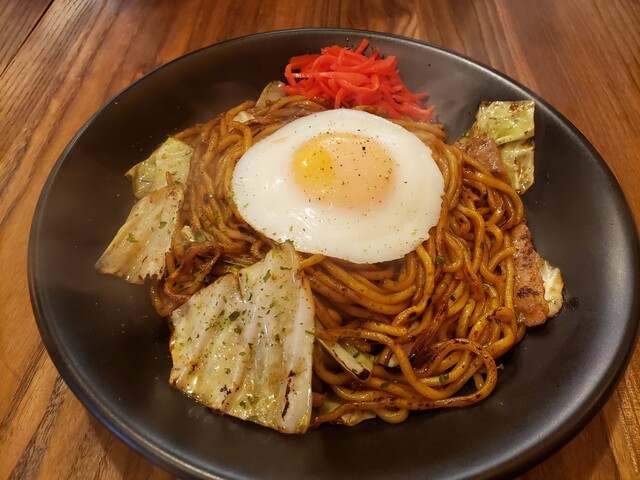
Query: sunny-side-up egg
<point x="343" y="183"/>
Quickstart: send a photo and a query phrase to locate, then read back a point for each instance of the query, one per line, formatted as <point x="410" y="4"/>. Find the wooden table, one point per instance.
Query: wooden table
<point x="60" y="60"/>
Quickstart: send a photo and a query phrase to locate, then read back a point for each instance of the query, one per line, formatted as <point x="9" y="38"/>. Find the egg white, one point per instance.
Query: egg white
<point x="269" y="199"/>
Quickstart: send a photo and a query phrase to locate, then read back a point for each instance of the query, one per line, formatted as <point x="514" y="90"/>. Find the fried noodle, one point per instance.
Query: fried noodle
<point x="435" y="321"/>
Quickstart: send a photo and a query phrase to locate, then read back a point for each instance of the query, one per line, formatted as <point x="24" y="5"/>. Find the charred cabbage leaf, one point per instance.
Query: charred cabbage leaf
<point x="138" y="249"/>
<point x="270" y="94"/>
<point x="553" y="286"/>
<point x="350" y="418"/>
<point x="243" y="345"/>
<point x="173" y="157"/>
<point x="511" y="126"/>
<point x="360" y="364"/>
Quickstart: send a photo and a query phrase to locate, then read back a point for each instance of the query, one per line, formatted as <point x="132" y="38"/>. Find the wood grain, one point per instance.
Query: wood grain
<point x="60" y="60"/>
<point x="18" y="20"/>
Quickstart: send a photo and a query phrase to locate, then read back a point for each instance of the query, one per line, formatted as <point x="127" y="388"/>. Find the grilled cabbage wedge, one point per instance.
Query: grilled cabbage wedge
<point x="244" y="344"/>
<point x="173" y="157"/>
<point x="511" y="126"/>
<point x="138" y="250"/>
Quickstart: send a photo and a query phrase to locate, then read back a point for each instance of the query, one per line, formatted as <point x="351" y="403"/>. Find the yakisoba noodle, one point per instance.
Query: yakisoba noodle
<point x="435" y="320"/>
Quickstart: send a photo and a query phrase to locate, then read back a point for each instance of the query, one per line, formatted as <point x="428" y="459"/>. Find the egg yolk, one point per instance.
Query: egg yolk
<point x="344" y="170"/>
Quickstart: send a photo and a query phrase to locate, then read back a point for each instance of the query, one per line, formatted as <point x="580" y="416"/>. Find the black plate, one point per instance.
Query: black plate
<point x="112" y="349"/>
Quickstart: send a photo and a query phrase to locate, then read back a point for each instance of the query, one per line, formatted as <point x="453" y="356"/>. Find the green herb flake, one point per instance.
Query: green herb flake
<point x="234" y="315"/>
<point x="199" y="236"/>
<point x="131" y="238"/>
<point x="267" y="276"/>
<point x="384" y="385"/>
<point x="162" y="224"/>
<point x="443" y="378"/>
<point x="439" y="260"/>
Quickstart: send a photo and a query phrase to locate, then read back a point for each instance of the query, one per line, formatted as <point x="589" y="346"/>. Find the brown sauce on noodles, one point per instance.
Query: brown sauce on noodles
<point x="435" y="320"/>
